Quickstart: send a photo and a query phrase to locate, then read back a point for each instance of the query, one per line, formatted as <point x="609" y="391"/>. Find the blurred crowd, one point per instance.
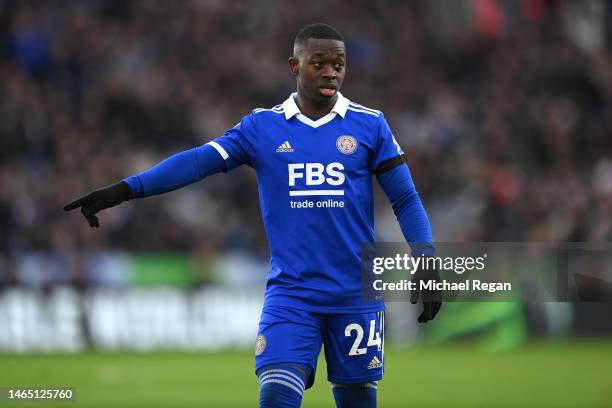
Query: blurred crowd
<point x="503" y="108"/>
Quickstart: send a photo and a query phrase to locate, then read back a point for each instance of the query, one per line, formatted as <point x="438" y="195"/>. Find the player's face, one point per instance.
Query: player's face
<point x="319" y="68"/>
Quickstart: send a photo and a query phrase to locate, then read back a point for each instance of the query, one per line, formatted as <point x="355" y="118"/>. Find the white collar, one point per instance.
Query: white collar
<point x="291" y="109"/>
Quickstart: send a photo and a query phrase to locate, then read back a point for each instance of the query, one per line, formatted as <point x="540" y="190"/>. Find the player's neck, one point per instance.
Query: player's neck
<point x="315" y="109"/>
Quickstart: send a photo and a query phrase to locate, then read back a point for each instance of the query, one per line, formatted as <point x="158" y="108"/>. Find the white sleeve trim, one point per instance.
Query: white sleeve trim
<point x="220" y="149"/>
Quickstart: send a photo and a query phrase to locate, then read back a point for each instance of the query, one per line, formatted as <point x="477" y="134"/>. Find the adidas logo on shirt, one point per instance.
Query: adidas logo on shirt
<point x="375" y="363"/>
<point x="284" y="148"/>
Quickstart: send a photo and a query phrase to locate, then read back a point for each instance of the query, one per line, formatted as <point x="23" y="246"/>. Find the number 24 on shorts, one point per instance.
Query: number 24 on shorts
<point x="373" y="338"/>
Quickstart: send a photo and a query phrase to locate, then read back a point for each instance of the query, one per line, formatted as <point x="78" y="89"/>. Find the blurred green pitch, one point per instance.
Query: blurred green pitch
<point x="537" y="375"/>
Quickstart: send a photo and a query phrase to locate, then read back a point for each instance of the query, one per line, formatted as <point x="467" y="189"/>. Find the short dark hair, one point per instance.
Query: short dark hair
<point x="317" y="30"/>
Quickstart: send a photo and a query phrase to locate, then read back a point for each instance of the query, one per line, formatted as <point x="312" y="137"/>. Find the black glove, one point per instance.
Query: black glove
<point x="431" y="299"/>
<point x="100" y="199"/>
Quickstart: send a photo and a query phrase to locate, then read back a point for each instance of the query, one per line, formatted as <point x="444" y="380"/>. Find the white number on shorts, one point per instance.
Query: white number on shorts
<point x="373" y="338"/>
<point x="355" y="350"/>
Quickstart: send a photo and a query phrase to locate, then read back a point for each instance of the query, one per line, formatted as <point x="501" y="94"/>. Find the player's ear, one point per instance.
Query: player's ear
<point x="294" y="65"/>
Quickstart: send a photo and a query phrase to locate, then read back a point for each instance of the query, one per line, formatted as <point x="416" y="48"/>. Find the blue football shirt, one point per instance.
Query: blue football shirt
<point x="315" y="192"/>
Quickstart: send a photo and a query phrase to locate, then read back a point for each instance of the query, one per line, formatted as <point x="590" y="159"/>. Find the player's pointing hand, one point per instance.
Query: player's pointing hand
<point x="100" y="199"/>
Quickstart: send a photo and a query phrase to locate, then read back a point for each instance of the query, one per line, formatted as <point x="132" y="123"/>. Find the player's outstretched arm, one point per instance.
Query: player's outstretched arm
<point x="399" y="187"/>
<point x="175" y="172"/>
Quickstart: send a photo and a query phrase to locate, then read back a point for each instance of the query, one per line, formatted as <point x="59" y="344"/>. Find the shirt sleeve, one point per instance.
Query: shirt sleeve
<point x="237" y="145"/>
<point x="388" y="153"/>
<point x="177" y="171"/>
<point x="399" y="187"/>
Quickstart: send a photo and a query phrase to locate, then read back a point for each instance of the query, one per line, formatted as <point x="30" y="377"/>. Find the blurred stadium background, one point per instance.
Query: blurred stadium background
<point x="504" y="109"/>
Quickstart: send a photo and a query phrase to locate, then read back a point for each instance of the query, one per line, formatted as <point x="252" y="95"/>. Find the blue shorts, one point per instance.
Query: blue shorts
<point x="353" y="343"/>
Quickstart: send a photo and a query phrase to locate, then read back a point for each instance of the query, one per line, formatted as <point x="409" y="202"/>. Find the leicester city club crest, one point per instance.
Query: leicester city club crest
<point x="260" y="344"/>
<point x="346" y="144"/>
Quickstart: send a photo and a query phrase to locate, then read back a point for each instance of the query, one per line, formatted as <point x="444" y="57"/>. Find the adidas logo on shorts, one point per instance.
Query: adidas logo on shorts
<point x="375" y="363"/>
